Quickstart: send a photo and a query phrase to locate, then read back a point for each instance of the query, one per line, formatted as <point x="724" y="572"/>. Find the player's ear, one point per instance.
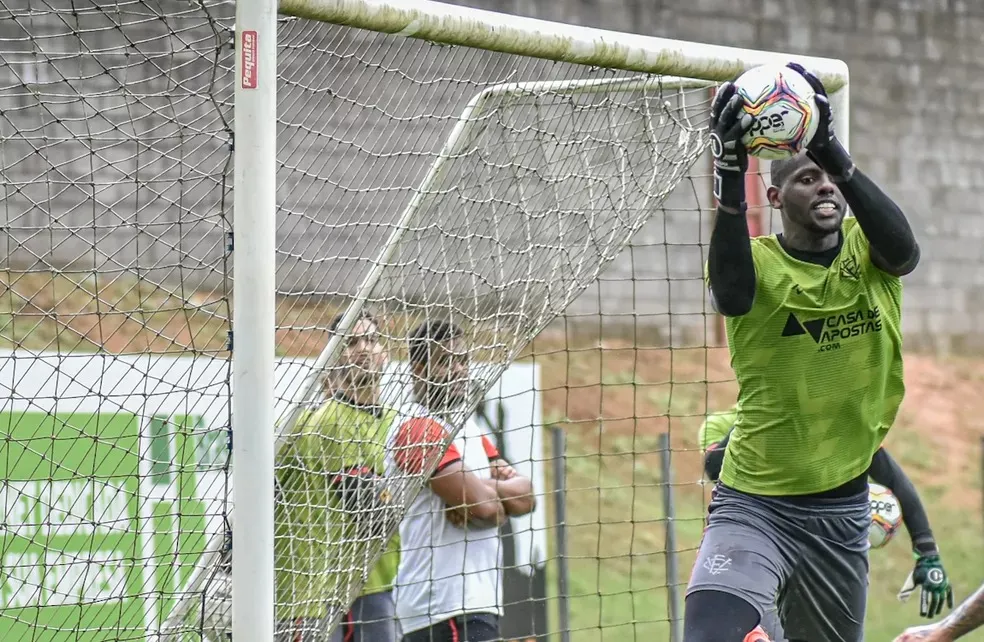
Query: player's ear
<point x="773" y="195"/>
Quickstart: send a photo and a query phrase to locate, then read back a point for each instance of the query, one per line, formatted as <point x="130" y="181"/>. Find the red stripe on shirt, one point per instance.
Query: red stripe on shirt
<point x="490" y="450"/>
<point x="422" y="442"/>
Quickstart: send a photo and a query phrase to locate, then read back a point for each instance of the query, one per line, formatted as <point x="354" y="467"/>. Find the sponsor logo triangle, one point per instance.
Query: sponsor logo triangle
<point x="794" y="328"/>
<point x="815" y="328"/>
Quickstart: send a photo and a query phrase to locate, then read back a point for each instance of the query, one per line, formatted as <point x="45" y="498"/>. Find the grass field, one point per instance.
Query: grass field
<point x="613" y="399"/>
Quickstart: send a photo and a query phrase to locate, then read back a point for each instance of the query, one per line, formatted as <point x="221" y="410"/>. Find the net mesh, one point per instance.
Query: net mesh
<point x="114" y="303"/>
<point x="426" y="184"/>
<point x="416" y="183"/>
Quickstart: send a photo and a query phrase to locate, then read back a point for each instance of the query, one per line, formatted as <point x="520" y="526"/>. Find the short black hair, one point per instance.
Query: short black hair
<point x="337" y="321"/>
<point x="429" y="332"/>
<point x="779" y="170"/>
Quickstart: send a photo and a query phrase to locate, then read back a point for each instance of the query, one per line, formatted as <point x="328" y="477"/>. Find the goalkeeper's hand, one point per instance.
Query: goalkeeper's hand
<point x="934" y="584"/>
<point x="729" y="122"/>
<point x="824" y="148"/>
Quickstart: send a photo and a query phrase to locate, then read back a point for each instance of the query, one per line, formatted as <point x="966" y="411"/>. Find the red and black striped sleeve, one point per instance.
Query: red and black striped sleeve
<point x="421" y="443"/>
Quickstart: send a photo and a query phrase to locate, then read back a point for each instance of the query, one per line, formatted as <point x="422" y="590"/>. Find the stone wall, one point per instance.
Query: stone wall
<point x="917" y="77"/>
<point x="118" y="161"/>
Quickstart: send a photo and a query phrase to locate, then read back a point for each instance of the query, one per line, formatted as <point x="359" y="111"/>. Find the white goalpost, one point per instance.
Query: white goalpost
<point x="670" y="67"/>
<point x="195" y="231"/>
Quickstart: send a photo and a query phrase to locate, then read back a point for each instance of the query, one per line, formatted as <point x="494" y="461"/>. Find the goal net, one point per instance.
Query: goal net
<point x="482" y="173"/>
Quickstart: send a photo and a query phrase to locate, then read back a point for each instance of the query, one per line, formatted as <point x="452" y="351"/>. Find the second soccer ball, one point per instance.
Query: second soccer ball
<point x="783" y="106"/>
<point x="886" y="515"/>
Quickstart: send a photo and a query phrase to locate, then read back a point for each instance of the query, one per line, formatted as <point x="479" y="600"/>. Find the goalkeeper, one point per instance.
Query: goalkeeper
<point x="813" y="318"/>
<point x="929" y="574"/>
<point x="330" y="493"/>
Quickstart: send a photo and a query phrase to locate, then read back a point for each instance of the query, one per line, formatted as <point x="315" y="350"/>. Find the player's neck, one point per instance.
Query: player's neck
<point x="805" y="241"/>
<point x="361" y="395"/>
<point x="433" y="399"/>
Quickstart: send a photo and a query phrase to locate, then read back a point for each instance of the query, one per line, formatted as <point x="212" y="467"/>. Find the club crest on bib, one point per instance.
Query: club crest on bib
<point x="849" y="268"/>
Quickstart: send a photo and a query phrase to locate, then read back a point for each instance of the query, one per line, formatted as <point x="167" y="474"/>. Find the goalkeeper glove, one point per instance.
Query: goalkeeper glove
<point x="729" y="122"/>
<point x="367" y="499"/>
<point x="824" y="148"/>
<point x="935" y="587"/>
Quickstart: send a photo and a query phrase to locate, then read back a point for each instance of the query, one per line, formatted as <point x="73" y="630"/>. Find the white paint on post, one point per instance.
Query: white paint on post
<point x="254" y="268"/>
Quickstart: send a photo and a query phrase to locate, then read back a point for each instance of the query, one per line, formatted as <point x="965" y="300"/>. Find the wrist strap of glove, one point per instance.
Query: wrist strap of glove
<point x="924" y="547"/>
<point x="729" y="189"/>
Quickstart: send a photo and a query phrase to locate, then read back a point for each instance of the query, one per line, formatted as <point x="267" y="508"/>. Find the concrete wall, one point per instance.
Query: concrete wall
<point x="917" y="72"/>
<point x="125" y="168"/>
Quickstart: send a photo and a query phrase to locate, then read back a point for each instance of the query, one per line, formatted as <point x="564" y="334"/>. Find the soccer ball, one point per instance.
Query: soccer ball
<point x="886" y="515"/>
<point x="782" y="103"/>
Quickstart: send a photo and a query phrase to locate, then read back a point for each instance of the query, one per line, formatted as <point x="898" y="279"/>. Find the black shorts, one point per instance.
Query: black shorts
<point x="472" y="627"/>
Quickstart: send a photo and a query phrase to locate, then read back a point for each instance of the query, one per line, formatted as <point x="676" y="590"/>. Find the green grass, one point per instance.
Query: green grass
<point x="617" y="565"/>
<point x="617" y="546"/>
<point x="613" y="398"/>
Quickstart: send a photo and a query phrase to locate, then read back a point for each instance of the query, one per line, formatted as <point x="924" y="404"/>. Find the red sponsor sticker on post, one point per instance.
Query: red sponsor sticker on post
<point x="250" y="55"/>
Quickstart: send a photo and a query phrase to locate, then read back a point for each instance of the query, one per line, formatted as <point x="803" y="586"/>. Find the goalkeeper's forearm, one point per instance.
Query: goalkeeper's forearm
<point x="883" y="223"/>
<point x="887" y="472"/>
<point x="730" y="269"/>
<point x="967" y="617"/>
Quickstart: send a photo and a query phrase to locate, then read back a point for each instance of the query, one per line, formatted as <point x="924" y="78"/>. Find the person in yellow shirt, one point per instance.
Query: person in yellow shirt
<point x="329" y="511"/>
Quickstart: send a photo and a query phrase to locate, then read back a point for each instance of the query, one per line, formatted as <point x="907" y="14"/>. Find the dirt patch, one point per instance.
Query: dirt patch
<point x="942" y="419"/>
<point x="610" y="390"/>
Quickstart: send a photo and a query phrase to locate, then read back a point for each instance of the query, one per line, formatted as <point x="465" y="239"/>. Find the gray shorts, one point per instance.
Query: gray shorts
<point x="371" y="619"/>
<point x="803" y="566"/>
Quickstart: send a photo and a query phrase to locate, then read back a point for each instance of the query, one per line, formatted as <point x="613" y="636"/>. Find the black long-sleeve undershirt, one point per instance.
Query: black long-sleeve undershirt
<point x="730" y="268"/>
<point x="731" y="272"/>
<point x="884" y="470"/>
<point x="883" y="223"/>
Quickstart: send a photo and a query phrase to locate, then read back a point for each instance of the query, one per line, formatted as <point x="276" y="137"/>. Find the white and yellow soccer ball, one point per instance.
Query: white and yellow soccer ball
<point x="781" y="102"/>
<point x="886" y="515"/>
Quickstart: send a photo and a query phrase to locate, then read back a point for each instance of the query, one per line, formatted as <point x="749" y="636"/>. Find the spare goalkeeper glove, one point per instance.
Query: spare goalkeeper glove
<point x="931" y="577"/>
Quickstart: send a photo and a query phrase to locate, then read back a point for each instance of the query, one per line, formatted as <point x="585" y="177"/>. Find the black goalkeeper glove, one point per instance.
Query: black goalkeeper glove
<point x="367" y="499"/>
<point x="931" y="577"/>
<point x="729" y="122"/>
<point x="824" y="148"/>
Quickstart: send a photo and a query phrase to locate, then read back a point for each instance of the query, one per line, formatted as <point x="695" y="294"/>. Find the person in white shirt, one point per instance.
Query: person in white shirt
<point x="449" y="582"/>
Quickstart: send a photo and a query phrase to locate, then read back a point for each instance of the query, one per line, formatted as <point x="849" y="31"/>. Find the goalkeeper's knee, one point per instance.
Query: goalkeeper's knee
<point x="716" y="616"/>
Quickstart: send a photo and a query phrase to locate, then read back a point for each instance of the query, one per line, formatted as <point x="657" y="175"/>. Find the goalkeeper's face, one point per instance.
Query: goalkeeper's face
<point x="364" y="355"/>
<point x="808" y="199"/>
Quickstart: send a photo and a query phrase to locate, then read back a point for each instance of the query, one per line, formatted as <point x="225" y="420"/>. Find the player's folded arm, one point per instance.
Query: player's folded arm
<point x="459" y="487"/>
<point x="422" y="444"/>
<point x="894" y="249"/>
<point x="516" y="495"/>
